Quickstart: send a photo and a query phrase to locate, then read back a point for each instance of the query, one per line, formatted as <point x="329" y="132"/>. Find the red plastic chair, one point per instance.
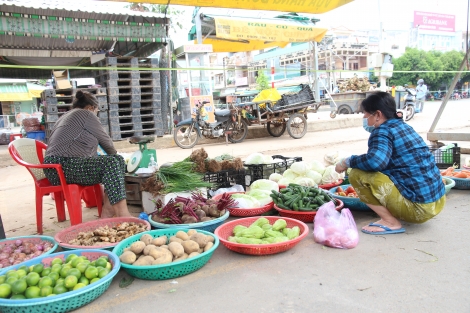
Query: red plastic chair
<point x="30" y="154"/>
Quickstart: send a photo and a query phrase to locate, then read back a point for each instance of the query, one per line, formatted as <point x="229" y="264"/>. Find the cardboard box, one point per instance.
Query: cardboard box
<point x="61" y="79"/>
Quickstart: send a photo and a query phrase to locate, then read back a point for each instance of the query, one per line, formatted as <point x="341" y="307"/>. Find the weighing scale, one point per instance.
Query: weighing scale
<point x="142" y="157"/>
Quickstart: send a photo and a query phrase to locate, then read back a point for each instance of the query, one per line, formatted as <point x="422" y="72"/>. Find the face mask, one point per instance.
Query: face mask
<point x="366" y="126"/>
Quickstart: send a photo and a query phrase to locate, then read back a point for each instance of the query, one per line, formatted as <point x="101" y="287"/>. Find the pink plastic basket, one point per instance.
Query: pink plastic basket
<point x="246" y="212"/>
<point x="226" y="230"/>
<point x="63" y="237"/>
<point x="306" y="217"/>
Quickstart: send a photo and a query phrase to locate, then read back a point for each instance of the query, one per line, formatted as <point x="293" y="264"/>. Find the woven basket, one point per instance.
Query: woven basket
<point x="207" y="226"/>
<point x="226" y="230"/>
<point x="33" y="239"/>
<point x="306" y="217"/>
<point x="450" y="183"/>
<point x="63" y="237"/>
<point x="460" y="183"/>
<point x="354" y="204"/>
<point x="246" y="212"/>
<point x="70" y="300"/>
<point x="169" y="270"/>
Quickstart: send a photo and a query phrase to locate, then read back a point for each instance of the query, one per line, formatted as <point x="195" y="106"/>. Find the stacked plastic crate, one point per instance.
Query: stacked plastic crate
<point x="58" y="101"/>
<point x="134" y="96"/>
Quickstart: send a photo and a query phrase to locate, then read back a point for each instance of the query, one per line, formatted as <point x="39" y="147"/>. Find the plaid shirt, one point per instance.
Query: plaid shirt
<point x="396" y="150"/>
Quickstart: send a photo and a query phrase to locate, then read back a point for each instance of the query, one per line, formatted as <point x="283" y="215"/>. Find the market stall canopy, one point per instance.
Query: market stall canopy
<point x="236" y="34"/>
<point x="19" y="90"/>
<point x="299" y="6"/>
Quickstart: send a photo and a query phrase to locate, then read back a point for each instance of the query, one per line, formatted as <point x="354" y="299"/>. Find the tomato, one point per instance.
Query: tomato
<point x="342" y="193"/>
<point x="339" y="189"/>
<point x="350" y="189"/>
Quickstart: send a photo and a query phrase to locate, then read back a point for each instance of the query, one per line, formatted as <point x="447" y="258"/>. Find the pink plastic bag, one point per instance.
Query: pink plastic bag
<point x="334" y="229"/>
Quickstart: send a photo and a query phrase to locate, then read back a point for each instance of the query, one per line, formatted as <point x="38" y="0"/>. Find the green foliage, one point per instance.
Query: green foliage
<point x="432" y="61"/>
<point x="174" y="14"/>
<point x="262" y="81"/>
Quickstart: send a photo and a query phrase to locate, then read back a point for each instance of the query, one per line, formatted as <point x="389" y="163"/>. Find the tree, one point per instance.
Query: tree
<point x="262" y="81"/>
<point x="174" y="14"/>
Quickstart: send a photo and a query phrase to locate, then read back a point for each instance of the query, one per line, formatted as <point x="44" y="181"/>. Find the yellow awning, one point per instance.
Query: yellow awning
<point x="223" y="45"/>
<point x="35" y="90"/>
<point x="14" y="93"/>
<point x="297" y="6"/>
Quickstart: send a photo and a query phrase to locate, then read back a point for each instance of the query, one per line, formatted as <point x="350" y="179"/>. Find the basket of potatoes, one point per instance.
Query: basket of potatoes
<point x="166" y="253"/>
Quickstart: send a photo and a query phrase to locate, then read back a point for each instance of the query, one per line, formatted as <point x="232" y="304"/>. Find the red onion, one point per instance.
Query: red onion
<point x="4" y="256"/>
<point x="18" y="242"/>
<point x="40" y="247"/>
<point x="17" y="251"/>
<point x="7" y="250"/>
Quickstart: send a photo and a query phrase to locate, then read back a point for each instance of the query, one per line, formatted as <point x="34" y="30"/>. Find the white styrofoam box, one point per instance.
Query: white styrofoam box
<point x="149" y="205"/>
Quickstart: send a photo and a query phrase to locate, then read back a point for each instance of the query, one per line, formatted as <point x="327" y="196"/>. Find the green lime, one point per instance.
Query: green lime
<point x="60" y="281"/>
<point x="5" y="291"/>
<point x="94" y="279"/>
<point x="38" y="268"/>
<point x="58" y="289"/>
<point x="83" y="280"/>
<point x="3" y="279"/>
<point x="25" y="268"/>
<point x="109" y="266"/>
<point x="33" y="279"/>
<point x="78" y="286"/>
<point x="56" y="268"/>
<point x="81" y="267"/>
<point x="103" y="272"/>
<point x="21" y="273"/>
<point x="91" y="272"/>
<point x="19" y="287"/>
<point x="18" y="297"/>
<point x="57" y="261"/>
<point x="93" y="263"/>
<point x="45" y="281"/>
<point x="12" y="273"/>
<point x="70" y="281"/>
<point x="32" y="292"/>
<point x="63" y="272"/>
<point x="70" y="257"/>
<point x="46" y="272"/>
<point x="11" y="280"/>
<point x="75" y="272"/>
<point x="104" y="257"/>
<point x="45" y="291"/>
<point x="77" y="260"/>
<point x="101" y="262"/>
<point x="52" y="294"/>
<point x="54" y="276"/>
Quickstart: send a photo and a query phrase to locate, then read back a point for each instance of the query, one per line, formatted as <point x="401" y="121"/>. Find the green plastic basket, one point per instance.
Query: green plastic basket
<point x="169" y="270"/>
<point x="450" y="183"/>
<point x="67" y="301"/>
<point x="207" y="226"/>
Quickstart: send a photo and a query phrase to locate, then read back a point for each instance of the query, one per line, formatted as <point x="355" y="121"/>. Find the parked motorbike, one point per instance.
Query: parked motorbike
<point x="455" y="96"/>
<point x="228" y="122"/>
<point x="409" y="103"/>
<point x="439" y="95"/>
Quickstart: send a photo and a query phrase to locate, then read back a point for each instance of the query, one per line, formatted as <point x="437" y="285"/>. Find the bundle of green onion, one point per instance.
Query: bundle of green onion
<point x="180" y="177"/>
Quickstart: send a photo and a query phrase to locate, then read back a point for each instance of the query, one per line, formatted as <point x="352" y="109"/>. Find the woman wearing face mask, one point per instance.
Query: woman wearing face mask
<point x="397" y="177"/>
<point x="73" y="144"/>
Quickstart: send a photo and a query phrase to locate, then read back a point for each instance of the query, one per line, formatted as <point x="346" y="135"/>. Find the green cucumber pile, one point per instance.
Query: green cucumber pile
<point x="300" y="198"/>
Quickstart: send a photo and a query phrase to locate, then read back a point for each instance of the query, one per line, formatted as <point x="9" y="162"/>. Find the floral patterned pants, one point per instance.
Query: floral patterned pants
<point x="377" y="189"/>
<point x="105" y="169"/>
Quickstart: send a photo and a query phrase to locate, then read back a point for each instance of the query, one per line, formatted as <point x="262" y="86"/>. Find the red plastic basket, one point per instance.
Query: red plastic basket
<point x="226" y="230"/>
<point x="63" y="237"/>
<point x="325" y="187"/>
<point x="306" y="217"/>
<point x="246" y="212"/>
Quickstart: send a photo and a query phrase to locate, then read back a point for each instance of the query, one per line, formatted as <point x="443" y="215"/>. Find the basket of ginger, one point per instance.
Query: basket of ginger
<point x="461" y="177"/>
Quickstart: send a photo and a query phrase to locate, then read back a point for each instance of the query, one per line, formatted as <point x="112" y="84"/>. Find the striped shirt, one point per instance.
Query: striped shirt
<point x="396" y="150"/>
<point x="77" y="134"/>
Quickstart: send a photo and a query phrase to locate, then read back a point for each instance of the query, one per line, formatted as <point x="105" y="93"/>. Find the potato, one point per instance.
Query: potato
<point x="192" y="255"/>
<point x="174" y="238"/>
<point x="167" y="258"/>
<point x="176" y="249"/>
<point x="164" y="247"/>
<point x="190" y="246"/>
<point x="210" y="239"/>
<point x="159" y="241"/>
<point x="159" y="252"/>
<point x="146" y="238"/>
<point x="126" y="249"/>
<point x="208" y="246"/>
<point x="182" y="235"/>
<point x="137" y="247"/>
<point x="201" y="239"/>
<point x="128" y="257"/>
<point x="148" y="248"/>
<point x="191" y="232"/>
<point x="201" y="250"/>
<point x="183" y="257"/>
<point x="146" y="260"/>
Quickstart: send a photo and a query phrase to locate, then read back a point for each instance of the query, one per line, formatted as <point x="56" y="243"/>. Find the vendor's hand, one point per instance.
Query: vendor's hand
<point x="339" y="168"/>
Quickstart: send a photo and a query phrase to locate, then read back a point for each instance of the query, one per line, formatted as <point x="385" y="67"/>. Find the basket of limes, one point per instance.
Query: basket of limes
<point x="59" y="282"/>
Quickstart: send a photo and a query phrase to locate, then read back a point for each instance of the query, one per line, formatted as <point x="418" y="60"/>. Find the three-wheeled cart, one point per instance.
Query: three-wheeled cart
<point x="289" y="112"/>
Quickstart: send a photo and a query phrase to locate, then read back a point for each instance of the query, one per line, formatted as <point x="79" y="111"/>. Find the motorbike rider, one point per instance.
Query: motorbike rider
<point x="421" y="91"/>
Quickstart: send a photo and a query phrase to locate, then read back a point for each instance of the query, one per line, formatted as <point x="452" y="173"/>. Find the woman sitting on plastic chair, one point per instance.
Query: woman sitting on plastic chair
<point x="73" y="144"/>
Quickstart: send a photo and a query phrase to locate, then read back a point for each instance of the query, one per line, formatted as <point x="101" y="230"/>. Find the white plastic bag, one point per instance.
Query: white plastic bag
<point x="234" y="188"/>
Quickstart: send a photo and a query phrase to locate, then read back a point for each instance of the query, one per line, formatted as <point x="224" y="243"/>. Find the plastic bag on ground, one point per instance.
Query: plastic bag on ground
<point x="335" y="229"/>
<point x="234" y="188"/>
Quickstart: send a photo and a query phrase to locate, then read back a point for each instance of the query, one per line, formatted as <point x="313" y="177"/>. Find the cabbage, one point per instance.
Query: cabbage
<point x="267" y="159"/>
<point x="264" y="184"/>
<point x="300" y="168"/>
<point x="330" y="175"/>
<point x="315" y="176"/>
<point x="245" y="201"/>
<point x="285" y="181"/>
<point x="318" y="167"/>
<point x="290" y="174"/>
<point x="305" y="181"/>
<point x="275" y="177"/>
<point x="263" y="196"/>
<point x="255" y="158"/>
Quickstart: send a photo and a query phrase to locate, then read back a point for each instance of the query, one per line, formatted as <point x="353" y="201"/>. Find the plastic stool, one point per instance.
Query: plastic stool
<point x="12" y="136"/>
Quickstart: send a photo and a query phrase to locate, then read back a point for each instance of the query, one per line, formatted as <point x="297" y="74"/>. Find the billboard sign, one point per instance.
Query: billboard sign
<point x="434" y="21"/>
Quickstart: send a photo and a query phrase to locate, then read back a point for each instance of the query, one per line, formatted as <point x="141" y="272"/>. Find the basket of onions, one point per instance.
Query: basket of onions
<point x="17" y="250"/>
